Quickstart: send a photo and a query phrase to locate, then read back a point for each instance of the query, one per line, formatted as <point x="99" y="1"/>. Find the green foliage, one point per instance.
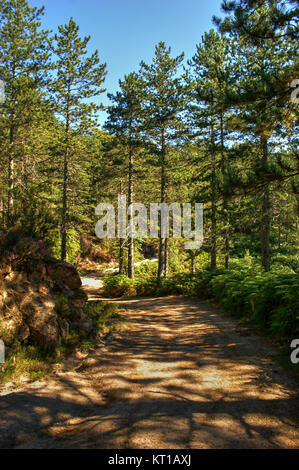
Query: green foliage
<point x="267" y="300"/>
<point x="222" y="133"/>
<point x="290" y="261"/>
<point x="20" y="251"/>
<point x="25" y="361"/>
<point x="104" y="315"/>
<point x="73" y="340"/>
<point x="37" y="221"/>
<point x="73" y="245"/>
<point x="146" y="270"/>
<point x="62" y="305"/>
<point x="78" y="79"/>
<point x="119" y="285"/>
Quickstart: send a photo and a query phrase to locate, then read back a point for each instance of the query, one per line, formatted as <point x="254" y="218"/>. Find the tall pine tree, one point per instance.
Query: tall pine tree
<point x="78" y="78"/>
<point x="24" y="54"/>
<point x="124" y="121"/>
<point x="162" y="119"/>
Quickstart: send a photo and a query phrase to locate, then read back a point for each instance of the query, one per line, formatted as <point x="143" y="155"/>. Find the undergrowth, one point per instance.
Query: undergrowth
<point x="27" y="362"/>
<point x="268" y="301"/>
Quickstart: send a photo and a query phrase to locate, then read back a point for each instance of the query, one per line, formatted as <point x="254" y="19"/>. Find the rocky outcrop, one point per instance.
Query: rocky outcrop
<point x="42" y="304"/>
<point x="63" y="273"/>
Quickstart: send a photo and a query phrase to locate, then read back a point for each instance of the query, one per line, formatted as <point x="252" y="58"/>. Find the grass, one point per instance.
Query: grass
<point x="25" y="362"/>
<point x="105" y="317"/>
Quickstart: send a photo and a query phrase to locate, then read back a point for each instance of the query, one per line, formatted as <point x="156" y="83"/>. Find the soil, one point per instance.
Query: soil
<point x="181" y="375"/>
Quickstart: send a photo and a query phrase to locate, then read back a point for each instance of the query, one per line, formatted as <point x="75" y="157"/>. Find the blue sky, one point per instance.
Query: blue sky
<point x="126" y="31"/>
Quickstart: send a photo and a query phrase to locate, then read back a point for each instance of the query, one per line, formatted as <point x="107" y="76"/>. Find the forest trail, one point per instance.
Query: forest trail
<point x="182" y="375"/>
<point x="94" y="281"/>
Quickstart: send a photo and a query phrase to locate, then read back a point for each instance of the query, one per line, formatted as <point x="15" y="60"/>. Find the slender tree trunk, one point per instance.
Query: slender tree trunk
<point x="122" y="242"/>
<point x="2" y="210"/>
<point x="193" y="263"/>
<point x="266" y="212"/>
<point x="226" y="247"/>
<point x="224" y="204"/>
<point x="11" y="173"/>
<point x="166" y="259"/>
<point x="279" y="232"/>
<point x="121" y="267"/>
<point x="66" y="176"/>
<point x="64" y="203"/>
<point x="11" y="162"/>
<point x="65" y="184"/>
<point x="213" y="203"/>
<point x="163" y="196"/>
<point x="213" y="236"/>
<point x="130" y="201"/>
<point x="24" y="175"/>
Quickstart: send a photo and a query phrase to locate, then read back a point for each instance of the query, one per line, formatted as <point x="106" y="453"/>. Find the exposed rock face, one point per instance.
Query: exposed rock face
<point x="63" y="273"/>
<point x="30" y="304"/>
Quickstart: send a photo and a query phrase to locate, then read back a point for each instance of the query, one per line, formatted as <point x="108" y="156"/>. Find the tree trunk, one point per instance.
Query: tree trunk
<point x="65" y="177"/>
<point x="122" y="241"/>
<point x="130" y="201"/>
<point x="166" y="259"/>
<point x="11" y="163"/>
<point x="163" y="194"/>
<point x="2" y="210"/>
<point x="24" y="175"/>
<point x="193" y="264"/>
<point x="11" y="175"/>
<point x="121" y="267"/>
<point x="224" y="204"/>
<point x="266" y="212"/>
<point x="227" y="249"/>
<point x="64" y="204"/>
<point x="279" y="232"/>
<point x="213" y="204"/>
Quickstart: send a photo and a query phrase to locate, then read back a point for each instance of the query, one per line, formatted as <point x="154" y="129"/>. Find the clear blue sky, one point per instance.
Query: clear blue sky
<point x="126" y="31"/>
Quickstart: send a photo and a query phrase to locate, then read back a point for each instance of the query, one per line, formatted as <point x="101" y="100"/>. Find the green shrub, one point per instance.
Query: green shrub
<point x="104" y="316"/>
<point x="119" y="286"/>
<point x="267" y="300"/>
<point x="73" y="340"/>
<point x="146" y="270"/>
<point x="289" y="261"/>
<point x="25" y="361"/>
<point x="62" y="305"/>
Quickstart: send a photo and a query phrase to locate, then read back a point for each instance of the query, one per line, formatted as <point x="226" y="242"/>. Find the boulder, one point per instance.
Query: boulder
<point x="12" y="325"/>
<point x="78" y="298"/>
<point x="64" y="273"/>
<point x="41" y="318"/>
<point x="29" y="306"/>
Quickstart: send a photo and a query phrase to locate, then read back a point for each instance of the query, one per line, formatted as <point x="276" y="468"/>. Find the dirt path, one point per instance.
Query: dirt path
<point x="183" y="376"/>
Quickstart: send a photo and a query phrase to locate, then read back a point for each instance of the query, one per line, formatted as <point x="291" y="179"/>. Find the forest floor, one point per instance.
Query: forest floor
<point x="181" y="375"/>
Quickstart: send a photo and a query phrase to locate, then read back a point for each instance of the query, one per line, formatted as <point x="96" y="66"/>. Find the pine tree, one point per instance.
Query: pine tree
<point x="210" y="77"/>
<point x="162" y="118"/>
<point x="124" y="121"/>
<point x="262" y="96"/>
<point x="279" y="19"/>
<point x="78" y="79"/>
<point x="24" y="54"/>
